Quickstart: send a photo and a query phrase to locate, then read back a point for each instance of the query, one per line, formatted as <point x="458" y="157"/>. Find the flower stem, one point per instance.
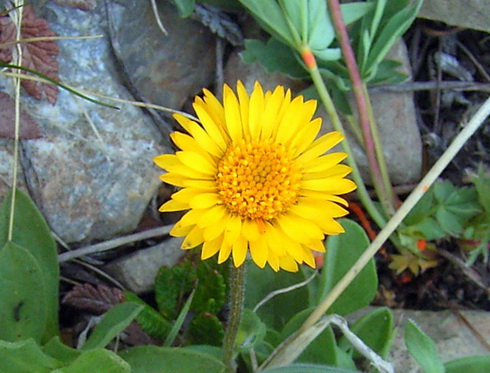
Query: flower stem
<point x="237" y="292"/>
<point x="337" y="124"/>
<point x="374" y="152"/>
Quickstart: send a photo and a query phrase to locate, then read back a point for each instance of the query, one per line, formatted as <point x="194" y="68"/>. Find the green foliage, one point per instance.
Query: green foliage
<point x="97" y="361"/>
<point x="342" y="252"/>
<point x="251" y="331"/>
<point x="147" y="359"/>
<point x="150" y="320"/>
<point x="25" y="357"/>
<point x="423" y="349"/>
<point x="29" y="273"/>
<point x="112" y="323"/>
<point x="310" y="368"/>
<point x="205" y="280"/>
<point x="473" y="364"/>
<point x="186" y="7"/>
<point x="376" y="331"/>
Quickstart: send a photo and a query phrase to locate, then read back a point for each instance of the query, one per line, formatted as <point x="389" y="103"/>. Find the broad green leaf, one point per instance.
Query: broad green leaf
<point x="274" y="56"/>
<point x="25" y="357"/>
<point x="96" y="361"/>
<point x="310" y="368"/>
<point x="271" y="18"/>
<point x="482" y="186"/>
<point x="251" y="331"/>
<point x="150" y="320"/>
<point x="342" y="252"/>
<point x="112" y="323"/>
<point x="323" y="350"/>
<point x="33" y="234"/>
<point x="23" y="310"/>
<point x="279" y="310"/>
<point x="210" y="293"/>
<point x="344" y="360"/>
<point x="148" y="359"/>
<point x="422" y="209"/>
<point x="206" y="328"/>
<point x="423" y="349"/>
<point x="472" y="364"/>
<point x="58" y="350"/>
<point x="184" y="7"/>
<point x="375" y="329"/>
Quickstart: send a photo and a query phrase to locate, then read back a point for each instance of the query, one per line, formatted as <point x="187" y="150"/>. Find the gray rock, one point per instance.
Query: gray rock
<point x="137" y="271"/>
<point x="91" y="173"/>
<point x="473" y="14"/>
<point x="166" y="69"/>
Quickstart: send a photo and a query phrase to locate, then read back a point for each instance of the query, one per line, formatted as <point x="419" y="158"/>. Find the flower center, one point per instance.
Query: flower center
<point x="257" y="180"/>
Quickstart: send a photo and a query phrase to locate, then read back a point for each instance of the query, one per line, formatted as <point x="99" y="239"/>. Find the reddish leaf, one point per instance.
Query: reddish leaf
<point x="96" y="300"/>
<point x="39" y="56"/>
<point x="28" y="127"/>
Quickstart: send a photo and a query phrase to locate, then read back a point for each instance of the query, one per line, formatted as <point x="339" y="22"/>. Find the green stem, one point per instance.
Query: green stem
<point x="237" y="297"/>
<point x="378" y="146"/>
<point x="19" y="4"/>
<point x="373" y="150"/>
<point x="337" y="124"/>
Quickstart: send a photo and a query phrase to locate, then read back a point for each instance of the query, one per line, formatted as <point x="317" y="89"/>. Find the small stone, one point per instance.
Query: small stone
<point x="138" y="270"/>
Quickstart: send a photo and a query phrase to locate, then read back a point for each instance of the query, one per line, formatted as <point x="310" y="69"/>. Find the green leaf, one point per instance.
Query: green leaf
<point x="33" y="234"/>
<point x="210" y="291"/>
<point x="472" y="364"/>
<point x="169" y="340"/>
<point x="147" y="359"/>
<point x="206" y="328"/>
<point x="184" y="7"/>
<point x="22" y="295"/>
<point x="171" y="286"/>
<point x="96" y="361"/>
<point x="25" y="357"/>
<point x="149" y="319"/>
<point x="112" y="323"/>
<point x="270" y="17"/>
<point x="423" y="349"/>
<point x="323" y="350"/>
<point x="482" y="186"/>
<point x="309" y="368"/>
<point x="251" y="331"/>
<point x="279" y="310"/>
<point x="375" y="329"/>
<point x="342" y="252"/>
<point x="58" y="350"/>
<point x="274" y="56"/>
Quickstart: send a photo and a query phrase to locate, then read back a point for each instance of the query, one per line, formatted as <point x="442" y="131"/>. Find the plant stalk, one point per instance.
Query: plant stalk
<point x="373" y="148"/>
<point x="337" y="124"/>
<point x="237" y="297"/>
<point x="19" y="5"/>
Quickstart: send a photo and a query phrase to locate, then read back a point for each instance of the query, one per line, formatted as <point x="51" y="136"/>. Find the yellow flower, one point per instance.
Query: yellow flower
<point x="255" y="179"/>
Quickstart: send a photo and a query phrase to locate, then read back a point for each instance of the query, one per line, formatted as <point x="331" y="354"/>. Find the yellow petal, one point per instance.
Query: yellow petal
<point x="288" y="264"/>
<point x="190" y="218"/>
<point x="256" y="111"/>
<point x="332" y="227"/>
<point x="186" y="194"/>
<point x="296" y="117"/>
<point x="259" y="252"/>
<point x="337" y="171"/>
<point x="244" y="107"/>
<point x="330" y="185"/>
<point x="200" y="135"/>
<point x="233" y="229"/>
<point x="210" y="126"/>
<point x="166" y="161"/>
<point x="324" y="162"/>
<point x="212" y="216"/>
<point x="181" y="231"/>
<point x="273" y="261"/>
<point x="233" y="119"/>
<point x="274" y="239"/>
<point x="308" y="207"/>
<point x="292" y="247"/>
<point x="193" y="239"/>
<point x="298" y="229"/>
<point x="188" y="143"/>
<point x="317" y="245"/>
<point x="173" y="179"/>
<point x="210" y="248"/>
<point x="305" y="137"/>
<point x="224" y="252"/>
<point x="320" y="146"/>
<point x="204" y="200"/>
<point x="250" y="230"/>
<point x="271" y="111"/>
<point x="173" y="205"/>
<point x="308" y="257"/>
<point x="213" y="231"/>
<point x="214" y="108"/>
<point x="239" y="252"/>
<point x="197" y="162"/>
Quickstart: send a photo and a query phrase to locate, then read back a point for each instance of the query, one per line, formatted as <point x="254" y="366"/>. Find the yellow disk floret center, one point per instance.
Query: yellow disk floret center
<point x="257" y="180"/>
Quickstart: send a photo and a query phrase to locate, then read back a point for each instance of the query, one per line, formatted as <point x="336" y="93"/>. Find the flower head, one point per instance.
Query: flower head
<point x="254" y="177"/>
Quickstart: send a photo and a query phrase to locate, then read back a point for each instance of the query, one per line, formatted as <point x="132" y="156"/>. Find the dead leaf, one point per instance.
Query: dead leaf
<point x="28" y="126"/>
<point x="39" y="55"/>
<point x="96" y="300"/>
